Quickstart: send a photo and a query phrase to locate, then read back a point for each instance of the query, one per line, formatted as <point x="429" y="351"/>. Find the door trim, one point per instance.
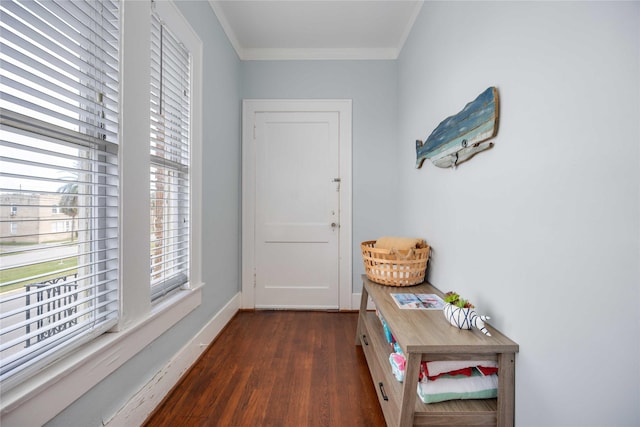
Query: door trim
<point x="249" y="109"/>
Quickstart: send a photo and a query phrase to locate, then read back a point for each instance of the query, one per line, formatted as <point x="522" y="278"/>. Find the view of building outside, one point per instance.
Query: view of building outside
<point x="38" y="262"/>
<point x="32" y="219"/>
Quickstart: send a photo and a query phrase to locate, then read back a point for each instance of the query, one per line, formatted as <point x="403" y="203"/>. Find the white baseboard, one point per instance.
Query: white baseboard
<point x="62" y="383"/>
<point x="140" y="406"/>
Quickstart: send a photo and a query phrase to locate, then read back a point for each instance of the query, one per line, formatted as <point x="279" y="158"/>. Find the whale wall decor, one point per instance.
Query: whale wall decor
<point x="461" y="136"/>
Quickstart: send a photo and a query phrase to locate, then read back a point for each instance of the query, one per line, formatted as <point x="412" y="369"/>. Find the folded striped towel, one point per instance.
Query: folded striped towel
<point x="439" y="367"/>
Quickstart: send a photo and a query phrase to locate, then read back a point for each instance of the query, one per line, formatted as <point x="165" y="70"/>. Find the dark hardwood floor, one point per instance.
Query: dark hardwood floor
<point x="277" y="368"/>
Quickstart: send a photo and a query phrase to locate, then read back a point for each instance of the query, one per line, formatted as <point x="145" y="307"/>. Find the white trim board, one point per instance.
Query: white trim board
<point x="380" y="49"/>
<point x="61" y="384"/>
<point x="140" y="406"/>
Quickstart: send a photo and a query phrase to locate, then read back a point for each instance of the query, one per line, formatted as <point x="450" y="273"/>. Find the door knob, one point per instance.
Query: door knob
<point x="334" y="225"/>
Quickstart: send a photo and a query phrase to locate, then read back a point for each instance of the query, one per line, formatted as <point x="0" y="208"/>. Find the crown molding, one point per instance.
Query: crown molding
<point x="291" y="54"/>
<point x="226" y="27"/>
<point x="283" y="54"/>
<point x="409" y="27"/>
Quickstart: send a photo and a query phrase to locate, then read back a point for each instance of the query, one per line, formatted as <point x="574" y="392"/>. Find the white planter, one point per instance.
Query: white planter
<point x="465" y="318"/>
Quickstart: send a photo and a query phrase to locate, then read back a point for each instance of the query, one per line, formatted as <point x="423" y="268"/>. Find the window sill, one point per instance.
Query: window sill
<point x="60" y="384"/>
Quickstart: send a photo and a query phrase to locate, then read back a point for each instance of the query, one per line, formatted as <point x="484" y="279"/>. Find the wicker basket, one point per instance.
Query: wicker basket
<point x="394" y="268"/>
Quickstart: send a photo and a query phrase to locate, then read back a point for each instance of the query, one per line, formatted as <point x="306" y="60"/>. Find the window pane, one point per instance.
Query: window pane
<point x="169" y="172"/>
<point x="58" y="179"/>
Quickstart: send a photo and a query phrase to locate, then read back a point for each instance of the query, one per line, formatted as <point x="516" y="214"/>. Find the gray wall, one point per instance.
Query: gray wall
<point x="542" y="231"/>
<point x="372" y="85"/>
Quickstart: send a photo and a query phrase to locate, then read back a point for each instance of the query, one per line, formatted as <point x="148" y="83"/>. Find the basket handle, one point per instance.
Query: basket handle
<point x="409" y="254"/>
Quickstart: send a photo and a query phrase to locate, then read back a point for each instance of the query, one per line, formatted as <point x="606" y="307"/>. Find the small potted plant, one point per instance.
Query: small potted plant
<point x="454" y="299"/>
<point x="459" y="312"/>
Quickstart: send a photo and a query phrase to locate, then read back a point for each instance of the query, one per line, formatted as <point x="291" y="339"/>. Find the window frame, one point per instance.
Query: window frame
<point x="170" y="145"/>
<point x="60" y="94"/>
<point x="60" y="384"/>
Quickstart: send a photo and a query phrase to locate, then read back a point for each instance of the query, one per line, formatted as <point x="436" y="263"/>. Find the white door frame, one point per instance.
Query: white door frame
<point x="249" y="108"/>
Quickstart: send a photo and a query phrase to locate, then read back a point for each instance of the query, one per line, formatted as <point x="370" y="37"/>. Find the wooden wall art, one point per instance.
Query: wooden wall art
<point x="459" y="137"/>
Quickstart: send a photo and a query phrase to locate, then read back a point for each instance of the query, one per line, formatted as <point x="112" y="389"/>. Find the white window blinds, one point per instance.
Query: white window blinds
<point x="169" y="172"/>
<point x="58" y="178"/>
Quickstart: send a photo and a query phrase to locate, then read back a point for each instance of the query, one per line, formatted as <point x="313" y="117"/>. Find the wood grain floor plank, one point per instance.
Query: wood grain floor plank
<point x="277" y="368"/>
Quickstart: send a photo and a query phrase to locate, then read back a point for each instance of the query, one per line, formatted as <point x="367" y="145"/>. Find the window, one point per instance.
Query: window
<point x="59" y="101"/>
<point x="169" y="168"/>
<point x="93" y="167"/>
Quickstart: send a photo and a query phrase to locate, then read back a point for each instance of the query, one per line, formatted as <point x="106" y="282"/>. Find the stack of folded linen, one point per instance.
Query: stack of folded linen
<point x="400" y="243"/>
<point x="451" y="380"/>
<point x="387" y="332"/>
<point x="396" y="358"/>
<point x="388" y="335"/>
<point x="398" y="363"/>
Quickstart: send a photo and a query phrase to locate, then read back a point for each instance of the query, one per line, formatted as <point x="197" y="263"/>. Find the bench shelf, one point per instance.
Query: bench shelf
<point x="426" y="335"/>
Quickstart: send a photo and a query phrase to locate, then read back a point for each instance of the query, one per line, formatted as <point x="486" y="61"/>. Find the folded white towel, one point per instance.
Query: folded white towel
<point x="474" y="387"/>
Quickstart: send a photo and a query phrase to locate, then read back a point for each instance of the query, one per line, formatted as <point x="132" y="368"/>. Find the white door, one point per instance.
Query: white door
<point x="297" y="209"/>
